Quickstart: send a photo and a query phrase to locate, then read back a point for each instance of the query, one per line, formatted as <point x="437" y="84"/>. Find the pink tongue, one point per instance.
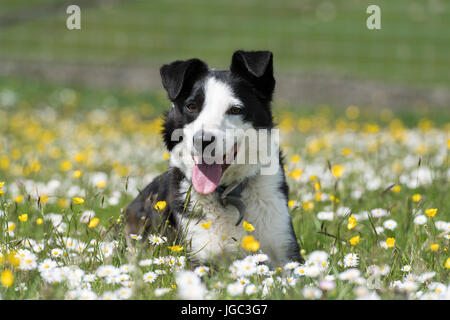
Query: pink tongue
<point x="206" y="177"/>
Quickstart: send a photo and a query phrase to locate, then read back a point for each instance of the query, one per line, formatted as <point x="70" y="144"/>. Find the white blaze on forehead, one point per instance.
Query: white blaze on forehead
<point x="219" y="98"/>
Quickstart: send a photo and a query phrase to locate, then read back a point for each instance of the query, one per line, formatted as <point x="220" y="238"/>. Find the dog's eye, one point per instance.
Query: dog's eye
<point x="192" y="108"/>
<point x="235" y="110"/>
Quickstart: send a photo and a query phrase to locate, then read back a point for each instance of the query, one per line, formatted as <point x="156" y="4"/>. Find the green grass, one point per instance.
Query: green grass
<point x="11" y="7"/>
<point x="412" y="47"/>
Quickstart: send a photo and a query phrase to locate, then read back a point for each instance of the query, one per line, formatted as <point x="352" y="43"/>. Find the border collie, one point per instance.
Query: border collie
<point x="214" y="109"/>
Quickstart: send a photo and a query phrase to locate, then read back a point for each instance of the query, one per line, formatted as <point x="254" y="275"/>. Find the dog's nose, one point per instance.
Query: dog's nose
<point x="201" y="140"/>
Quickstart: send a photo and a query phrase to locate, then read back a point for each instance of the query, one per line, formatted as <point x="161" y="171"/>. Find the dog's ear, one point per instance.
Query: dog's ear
<point x="257" y="68"/>
<point x="179" y="75"/>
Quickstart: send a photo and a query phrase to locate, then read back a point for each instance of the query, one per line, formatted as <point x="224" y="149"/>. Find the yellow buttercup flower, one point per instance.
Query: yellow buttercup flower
<point x="35" y="166"/>
<point x="346" y="151"/>
<point x="318" y="196"/>
<point x="43" y="198"/>
<point x="65" y="165"/>
<point x="7" y="278"/>
<point x="397" y="166"/>
<point x="354" y="240"/>
<point x="337" y="170"/>
<point x="248" y="226"/>
<point x="101" y="184"/>
<point x="160" y="205"/>
<point x="62" y="203"/>
<point x="175" y="248"/>
<point x="291" y="203"/>
<point x="351" y="222"/>
<point x="333" y="198"/>
<point x="447" y="263"/>
<point x="296" y="174"/>
<point x="295" y="158"/>
<point x="390" y="242"/>
<point x="77" y="173"/>
<point x="93" y="222"/>
<point x="416" y="197"/>
<point x="317" y="185"/>
<point x="206" y="225"/>
<point x="372" y="128"/>
<point x="39" y="221"/>
<point x="4" y="163"/>
<point x="18" y="199"/>
<point x="166" y="155"/>
<point x="308" y="205"/>
<point x="23" y="217"/>
<point x="434" y="247"/>
<point x="12" y="259"/>
<point x="249" y="243"/>
<point x="431" y="212"/>
<point x="396" y="189"/>
<point x="78" y="200"/>
<point x="79" y="157"/>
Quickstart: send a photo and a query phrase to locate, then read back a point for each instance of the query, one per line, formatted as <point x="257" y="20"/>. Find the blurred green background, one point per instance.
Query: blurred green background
<point x="324" y="53"/>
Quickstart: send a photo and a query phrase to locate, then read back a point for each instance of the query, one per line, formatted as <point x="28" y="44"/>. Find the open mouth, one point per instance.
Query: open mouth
<point x="206" y="177"/>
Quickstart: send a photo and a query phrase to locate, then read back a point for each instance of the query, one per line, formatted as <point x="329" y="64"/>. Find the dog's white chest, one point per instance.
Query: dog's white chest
<point x="211" y="230"/>
<point x="266" y="210"/>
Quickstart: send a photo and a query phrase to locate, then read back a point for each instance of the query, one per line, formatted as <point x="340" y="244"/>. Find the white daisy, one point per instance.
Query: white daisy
<point x="406" y="268"/>
<point x="311" y="293"/>
<point x="251" y="289"/>
<point x="235" y="289"/>
<point x="47" y="265"/>
<point x="157" y="240"/>
<point x="420" y="220"/>
<point x="312" y="271"/>
<point x="135" y="236"/>
<point x="390" y="224"/>
<point x="351" y="260"/>
<point x="291" y="265"/>
<point x="262" y="269"/>
<point x="109" y="295"/>
<point x="161" y="291"/>
<point x="149" y="277"/>
<point x="378" y="212"/>
<point x="159" y="260"/>
<point x="56" y="253"/>
<point x="201" y="270"/>
<point x="146" y="262"/>
<point x="124" y="293"/>
<point x="350" y="274"/>
<point x="325" y="215"/>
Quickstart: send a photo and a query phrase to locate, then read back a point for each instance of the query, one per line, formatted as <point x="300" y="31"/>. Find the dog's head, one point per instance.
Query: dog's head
<point x="211" y="114"/>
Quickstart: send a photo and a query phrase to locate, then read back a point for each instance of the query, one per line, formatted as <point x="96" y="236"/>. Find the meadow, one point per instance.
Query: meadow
<point x="368" y="199"/>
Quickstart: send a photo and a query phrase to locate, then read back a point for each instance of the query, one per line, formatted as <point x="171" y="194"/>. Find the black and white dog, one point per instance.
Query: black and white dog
<point x="206" y="105"/>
